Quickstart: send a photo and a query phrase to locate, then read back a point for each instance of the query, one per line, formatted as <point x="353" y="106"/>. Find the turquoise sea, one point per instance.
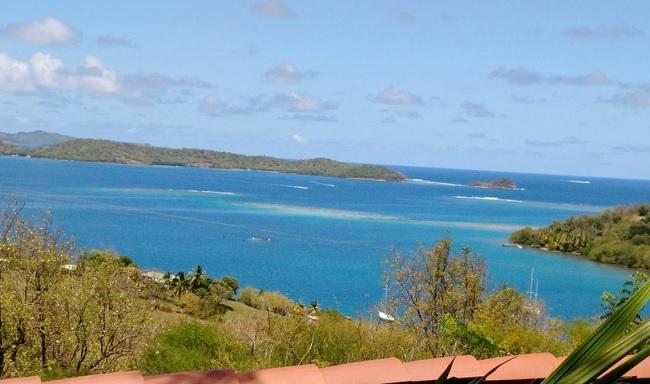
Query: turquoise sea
<point x="328" y="236"/>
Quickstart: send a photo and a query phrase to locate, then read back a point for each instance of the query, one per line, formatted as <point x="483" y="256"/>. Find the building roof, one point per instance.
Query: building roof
<point x="508" y="369"/>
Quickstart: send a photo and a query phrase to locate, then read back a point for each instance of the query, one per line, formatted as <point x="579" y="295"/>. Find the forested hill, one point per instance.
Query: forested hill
<point x="126" y="153"/>
<point x="619" y="235"/>
<point x="8" y="149"/>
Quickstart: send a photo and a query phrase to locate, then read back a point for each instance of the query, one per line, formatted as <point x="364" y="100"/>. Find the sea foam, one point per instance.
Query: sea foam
<point x="423" y="181"/>
<point x="488" y="198"/>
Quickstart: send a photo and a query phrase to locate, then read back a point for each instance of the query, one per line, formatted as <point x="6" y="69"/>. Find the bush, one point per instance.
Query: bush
<point x="251" y="297"/>
<point x="191" y="346"/>
<point x="231" y="282"/>
<point x="277" y="303"/>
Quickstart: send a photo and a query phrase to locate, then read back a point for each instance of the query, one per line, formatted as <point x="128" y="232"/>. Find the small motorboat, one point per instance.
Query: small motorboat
<point x="511" y="245"/>
<point x="260" y="238"/>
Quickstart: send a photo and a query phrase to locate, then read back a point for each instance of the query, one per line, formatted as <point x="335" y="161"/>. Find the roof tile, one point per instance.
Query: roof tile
<point x="299" y="374"/>
<point x="430" y="369"/>
<point x="224" y="376"/>
<point x="22" y="380"/>
<point x="133" y="377"/>
<point x="390" y="370"/>
<point x="523" y="367"/>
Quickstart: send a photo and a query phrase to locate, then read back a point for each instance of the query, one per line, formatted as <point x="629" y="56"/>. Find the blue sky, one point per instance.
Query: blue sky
<point x="549" y="87"/>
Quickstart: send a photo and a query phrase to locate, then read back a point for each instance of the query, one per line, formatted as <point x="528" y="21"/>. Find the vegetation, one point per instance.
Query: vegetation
<point x="618" y="236"/>
<point x="60" y="319"/>
<point x="443" y="298"/>
<point x="500" y="183"/>
<point x="8" y="149"/>
<point x="126" y="153"/>
<point x="65" y="314"/>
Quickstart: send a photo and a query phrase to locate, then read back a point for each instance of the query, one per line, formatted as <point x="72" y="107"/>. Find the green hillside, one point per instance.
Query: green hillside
<point x="618" y="236"/>
<point x="126" y="153"/>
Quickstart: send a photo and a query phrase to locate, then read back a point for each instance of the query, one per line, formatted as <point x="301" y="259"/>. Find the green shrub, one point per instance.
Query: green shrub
<point x="251" y="297"/>
<point x="277" y="303"/>
<point x="192" y="346"/>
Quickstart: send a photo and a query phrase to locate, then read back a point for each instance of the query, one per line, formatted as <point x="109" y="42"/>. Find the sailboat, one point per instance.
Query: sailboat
<point x="383" y="316"/>
<point x="533" y="293"/>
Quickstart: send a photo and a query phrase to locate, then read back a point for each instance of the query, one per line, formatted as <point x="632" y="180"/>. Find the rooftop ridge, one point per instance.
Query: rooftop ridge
<point x="509" y="369"/>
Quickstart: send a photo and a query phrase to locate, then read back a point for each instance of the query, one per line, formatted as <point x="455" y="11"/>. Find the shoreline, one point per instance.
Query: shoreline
<point x="142" y="164"/>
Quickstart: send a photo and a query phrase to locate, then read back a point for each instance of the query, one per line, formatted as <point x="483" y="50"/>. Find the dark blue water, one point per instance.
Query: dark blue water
<point x="329" y="236"/>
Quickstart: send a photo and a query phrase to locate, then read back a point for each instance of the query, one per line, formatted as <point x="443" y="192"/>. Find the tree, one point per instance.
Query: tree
<point x="433" y="284"/>
<point x="610" y="302"/>
<point x="181" y="283"/>
<point x="57" y="317"/>
<point x="198" y="278"/>
<point x="232" y="283"/>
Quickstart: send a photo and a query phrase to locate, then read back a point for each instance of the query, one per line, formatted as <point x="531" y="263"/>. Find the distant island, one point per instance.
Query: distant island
<point x="34" y="139"/>
<point x="619" y="235"/>
<point x="127" y="153"/>
<point x="500" y="183"/>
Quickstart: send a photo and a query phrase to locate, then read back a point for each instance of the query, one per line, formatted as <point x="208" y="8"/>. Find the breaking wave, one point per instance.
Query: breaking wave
<point x="422" y="181"/>
<point x="488" y="198"/>
<point x="294" y="186"/>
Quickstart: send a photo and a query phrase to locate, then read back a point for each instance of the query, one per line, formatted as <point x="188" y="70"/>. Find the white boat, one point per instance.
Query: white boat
<point x="260" y="238"/>
<point x="385" y="316"/>
<point x="510" y="245"/>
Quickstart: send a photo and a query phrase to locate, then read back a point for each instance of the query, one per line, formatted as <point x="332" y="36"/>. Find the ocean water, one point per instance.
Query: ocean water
<point x="328" y="236"/>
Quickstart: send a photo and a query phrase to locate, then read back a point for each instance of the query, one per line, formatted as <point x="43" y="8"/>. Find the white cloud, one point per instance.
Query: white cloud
<point x="44" y="72"/>
<point x="522" y="76"/>
<point x="604" y="32"/>
<point x="396" y="97"/>
<point x="295" y="102"/>
<point x="634" y="99"/>
<point x="274" y="9"/>
<point x="297" y="106"/>
<point x="300" y="139"/>
<point x="283" y="74"/>
<point x="46" y="31"/>
<point x="478" y="110"/>
<point x="213" y="106"/>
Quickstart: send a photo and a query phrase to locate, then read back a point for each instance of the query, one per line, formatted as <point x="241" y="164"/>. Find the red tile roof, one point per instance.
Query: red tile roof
<point x="389" y="370"/>
<point x="521" y="368"/>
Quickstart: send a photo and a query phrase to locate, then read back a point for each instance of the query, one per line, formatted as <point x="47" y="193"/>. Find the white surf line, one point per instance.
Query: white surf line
<point x="138" y="212"/>
<point x="441" y="183"/>
<point x="217" y="193"/>
<point x="293" y="186"/>
<point x="488" y="198"/>
<point x="580" y="181"/>
<point x="325" y="184"/>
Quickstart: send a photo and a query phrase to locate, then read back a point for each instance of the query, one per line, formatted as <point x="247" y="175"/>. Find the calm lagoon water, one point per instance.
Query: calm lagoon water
<point x="328" y="236"/>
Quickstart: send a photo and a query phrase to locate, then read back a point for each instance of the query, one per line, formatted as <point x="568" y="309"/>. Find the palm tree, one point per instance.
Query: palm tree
<point x="198" y="277"/>
<point x="181" y="283"/>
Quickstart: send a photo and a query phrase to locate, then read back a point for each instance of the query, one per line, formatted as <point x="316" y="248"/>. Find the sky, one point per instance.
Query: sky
<point x="560" y="87"/>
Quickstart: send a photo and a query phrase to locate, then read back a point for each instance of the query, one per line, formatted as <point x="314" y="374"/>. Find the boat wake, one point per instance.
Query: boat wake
<point x="580" y="181"/>
<point x="294" y="186"/>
